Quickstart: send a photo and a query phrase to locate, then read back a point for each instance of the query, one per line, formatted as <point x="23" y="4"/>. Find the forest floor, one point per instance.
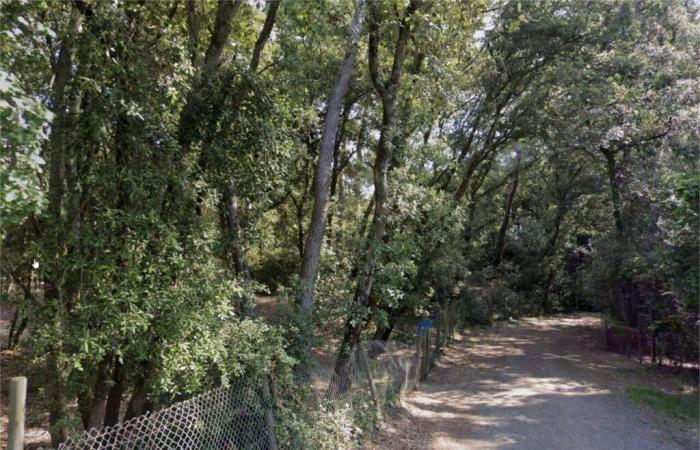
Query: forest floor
<point x="537" y="384"/>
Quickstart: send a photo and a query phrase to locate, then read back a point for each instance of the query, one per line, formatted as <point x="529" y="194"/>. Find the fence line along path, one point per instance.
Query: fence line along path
<point x="246" y="415"/>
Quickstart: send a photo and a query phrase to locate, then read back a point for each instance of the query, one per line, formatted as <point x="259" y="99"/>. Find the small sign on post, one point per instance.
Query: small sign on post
<point x="18" y="396"/>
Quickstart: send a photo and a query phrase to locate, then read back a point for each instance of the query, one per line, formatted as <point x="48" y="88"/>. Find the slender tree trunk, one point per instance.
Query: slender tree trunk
<point x="322" y="179"/>
<point x="264" y="35"/>
<point x="114" y="397"/>
<point x="53" y="289"/>
<point x="387" y="91"/>
<point x="20" y="318"/>
<point x="615" y="196"/>
<point x="549" y="252"/>
<point x="621" y="288"/>
<point x="95" y="412"/>
<point x="58" y="426"/>
<point x="233" y="231"/>
<point x="479" y="157"/>
<point x="500" y="240"/>
<point x="137" y="401"/>
<point x="383" y="333"/>
<point x="193" y="27"/>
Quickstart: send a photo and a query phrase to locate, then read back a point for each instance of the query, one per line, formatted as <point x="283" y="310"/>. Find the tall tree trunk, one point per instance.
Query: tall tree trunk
<point x="193" y="27"/>
<point x="58" y="426"/>
<point x="233" y="231"/>
<point x="53" y="289"/>
<point x="387" y="91"/>
<point x="501" y="238"/>
<point x="264" y="35"/>
<point x="549" y="252"/>
<point x="620" y="287"/>
<point x="615" y="196"/>
<point x="312" y="249"/>
<point x="94" y="410"/>
<point x="137" y="401"/>
<point x="114" y="397"/>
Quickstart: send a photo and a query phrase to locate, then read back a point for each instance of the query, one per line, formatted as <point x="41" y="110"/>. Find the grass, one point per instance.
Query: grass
<point x="686" y="407"/>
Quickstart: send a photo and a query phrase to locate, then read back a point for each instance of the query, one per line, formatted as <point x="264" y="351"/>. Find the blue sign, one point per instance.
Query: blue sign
<point x="425" y="324"/>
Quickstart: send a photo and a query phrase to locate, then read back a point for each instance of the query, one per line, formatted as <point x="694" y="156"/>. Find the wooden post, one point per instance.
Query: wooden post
<point x="448" y="320"/>
<point x="443" y="330"/>
<point x="628" y="343"/>
<point x="418" y="364"/>
<point x="639" y="344"/>
<point x="372" y="388"/>
<point x="426" y="355"/>
<point x="448" y="324"/>
<point x="653" y="337"/>
<point x="605" y="334"/>
<point x="443" y="335"/>
<point x="438" y="326"/>
<point x="18" y="396"/>
<point x="404" y="385"/>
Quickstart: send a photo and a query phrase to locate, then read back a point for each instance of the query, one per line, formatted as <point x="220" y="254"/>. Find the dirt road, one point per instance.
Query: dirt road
<point x="537" y="384"/>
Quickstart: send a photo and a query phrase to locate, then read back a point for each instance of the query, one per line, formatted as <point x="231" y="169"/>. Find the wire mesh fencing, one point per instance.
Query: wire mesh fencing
<point x="230" y="417"/>
<point x="310" y="412"/>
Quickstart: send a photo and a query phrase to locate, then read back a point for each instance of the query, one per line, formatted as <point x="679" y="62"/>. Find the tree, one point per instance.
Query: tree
<point x="324" y="168"/>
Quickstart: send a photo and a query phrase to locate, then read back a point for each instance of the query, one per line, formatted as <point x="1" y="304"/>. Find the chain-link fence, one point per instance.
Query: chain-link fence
<point x="307" y="413"/>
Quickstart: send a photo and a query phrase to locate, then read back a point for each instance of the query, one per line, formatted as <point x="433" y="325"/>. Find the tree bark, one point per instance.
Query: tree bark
<point x="233" y="231"/>
<point x="500" y="240"/>
<point x="95" y="414"/>
<point x="137" y="401"/>
<point x="53" y="289"/>
<point x="550" y="250"/>
<point x="615" y="196"/>
<point x="114" y="397"/>
<point x="193" y="26"/>
<point x="272" y="7"/>
<point x="322" y="179"/>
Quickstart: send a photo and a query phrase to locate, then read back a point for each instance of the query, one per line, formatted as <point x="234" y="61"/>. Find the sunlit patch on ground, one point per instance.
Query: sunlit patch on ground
<point x="537" y="384"/>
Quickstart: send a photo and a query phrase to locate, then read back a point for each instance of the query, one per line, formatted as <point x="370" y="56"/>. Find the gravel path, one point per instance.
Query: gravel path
<point x="537" y="384"/>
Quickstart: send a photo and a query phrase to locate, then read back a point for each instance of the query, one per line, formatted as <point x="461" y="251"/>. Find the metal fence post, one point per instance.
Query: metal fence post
<point x="18" y="396"/>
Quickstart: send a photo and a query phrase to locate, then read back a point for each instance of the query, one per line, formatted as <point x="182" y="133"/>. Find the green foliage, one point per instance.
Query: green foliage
<point x="682" y="221"/>
<point x="24" y="118"/>
<point x="155" y="246"/>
